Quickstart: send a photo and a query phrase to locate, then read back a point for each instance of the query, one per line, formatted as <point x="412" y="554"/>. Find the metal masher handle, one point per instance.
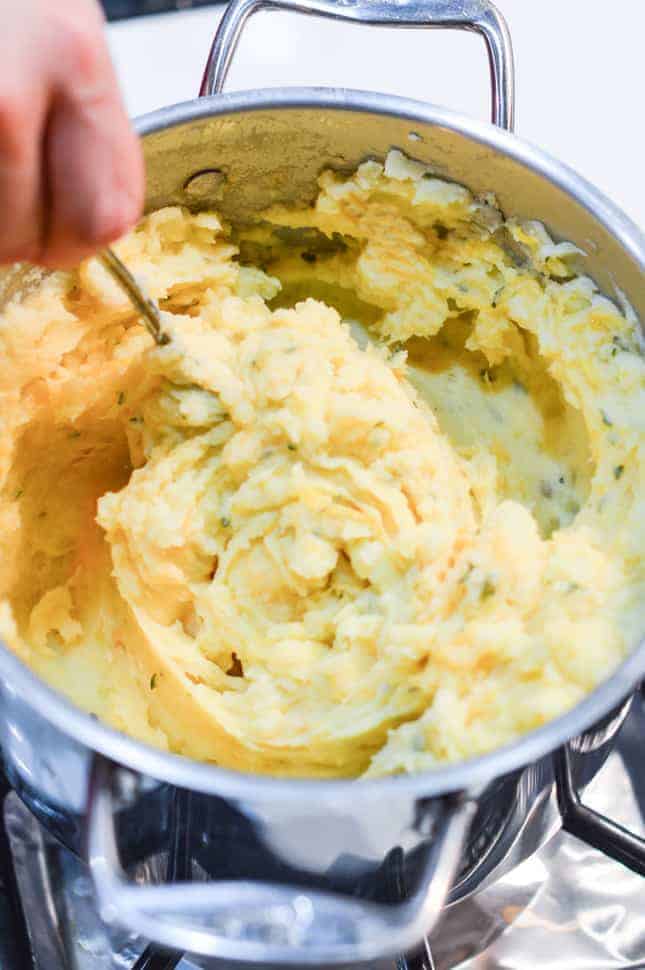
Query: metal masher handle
<point x="145" y="307"/>
<point x="479" y="16"/>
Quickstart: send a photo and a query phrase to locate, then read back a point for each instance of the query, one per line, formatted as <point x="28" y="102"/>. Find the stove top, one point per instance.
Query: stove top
<point x="568" y="905"/>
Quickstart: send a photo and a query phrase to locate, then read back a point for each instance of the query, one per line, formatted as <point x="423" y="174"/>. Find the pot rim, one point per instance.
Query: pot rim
<point x="22" y="682"/>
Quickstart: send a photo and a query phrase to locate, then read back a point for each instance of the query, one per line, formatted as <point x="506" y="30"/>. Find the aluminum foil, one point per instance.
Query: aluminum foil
<point x="566" y="907"/>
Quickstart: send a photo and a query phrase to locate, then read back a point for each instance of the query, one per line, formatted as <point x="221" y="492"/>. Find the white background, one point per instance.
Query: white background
<point x="580" y="73"/>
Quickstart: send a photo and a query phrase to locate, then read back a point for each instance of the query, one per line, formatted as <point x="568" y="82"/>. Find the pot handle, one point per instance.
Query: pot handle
<point x="267" y="923"/>
<point x="480" y="16"/>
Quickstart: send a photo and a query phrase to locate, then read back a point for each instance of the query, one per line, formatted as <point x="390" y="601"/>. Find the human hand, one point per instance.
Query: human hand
<point x="71" y="170"/>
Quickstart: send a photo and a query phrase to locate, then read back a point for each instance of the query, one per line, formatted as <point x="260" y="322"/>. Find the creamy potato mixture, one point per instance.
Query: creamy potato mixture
<point x="377" y="505"/>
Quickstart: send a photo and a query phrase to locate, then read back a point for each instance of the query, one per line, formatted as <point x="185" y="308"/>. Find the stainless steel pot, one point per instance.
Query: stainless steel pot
<point x="321" y="873"/>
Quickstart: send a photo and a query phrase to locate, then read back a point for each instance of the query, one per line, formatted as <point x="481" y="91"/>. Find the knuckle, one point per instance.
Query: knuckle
<point x="81" y="51"/>
<point x="83" y="47"/>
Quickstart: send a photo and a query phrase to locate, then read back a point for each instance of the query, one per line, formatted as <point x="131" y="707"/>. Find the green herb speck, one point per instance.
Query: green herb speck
<point x="487" y="376"/>
<point x="606" y="420"/>
<point x="291" y="446"/>
<point x="19" y="494"/>
<point x="466" y="574"/>
<point x="153" y="681"/>
<point x="120" y="398"/>
<point x="618" y="471"/>
<point x="225" y="521"/>
<point x="74" y="434"/>
<point x="488" y="589"/>
<point x="620" y="344"/>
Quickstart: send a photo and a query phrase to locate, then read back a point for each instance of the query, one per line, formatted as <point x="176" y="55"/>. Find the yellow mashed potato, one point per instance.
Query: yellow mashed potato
<point x="377" y="505"/>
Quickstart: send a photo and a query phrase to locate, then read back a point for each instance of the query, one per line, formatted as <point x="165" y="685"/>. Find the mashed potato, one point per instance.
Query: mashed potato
<point x="377" y="505"/>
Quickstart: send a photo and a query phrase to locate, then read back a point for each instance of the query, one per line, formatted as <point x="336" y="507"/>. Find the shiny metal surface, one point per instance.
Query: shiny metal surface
<point x="479" y="16"/>
<point x="568" y="903"/>
<point x="145" y="307"/>
<point x="268" y="147"/>
<point x="262" y="922"/>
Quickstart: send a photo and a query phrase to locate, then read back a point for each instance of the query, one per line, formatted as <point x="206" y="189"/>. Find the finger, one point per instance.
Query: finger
<point x="22" y="115"/>
<point x="93" y="160"/>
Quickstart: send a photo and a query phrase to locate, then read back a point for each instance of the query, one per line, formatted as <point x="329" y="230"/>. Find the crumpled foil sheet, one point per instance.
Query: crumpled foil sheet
<point x="566" y="908"/>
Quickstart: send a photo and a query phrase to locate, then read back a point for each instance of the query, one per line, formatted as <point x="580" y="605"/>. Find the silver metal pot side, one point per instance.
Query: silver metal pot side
<point x="463" y="824"/>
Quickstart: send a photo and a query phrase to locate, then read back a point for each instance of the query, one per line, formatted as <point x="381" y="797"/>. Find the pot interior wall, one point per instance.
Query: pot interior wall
<point x="260" y="156"/>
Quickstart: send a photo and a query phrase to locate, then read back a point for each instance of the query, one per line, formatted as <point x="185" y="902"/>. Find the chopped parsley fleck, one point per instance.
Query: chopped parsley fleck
<point x="487" y="376"/>
<point x="74" y="434"/>
<point x="153" y="681"/>
<point x="606" y="420"/>
<point x="291" y="446"/>
<point x="466" y="574"/>
<point x="488" y="589"/>
<point x="620" y="344"/>
<point x="19" y="494"/>
<point x="225" y="521"/>
<point x="618" y="471"/>
<point x="120" y="398"/>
